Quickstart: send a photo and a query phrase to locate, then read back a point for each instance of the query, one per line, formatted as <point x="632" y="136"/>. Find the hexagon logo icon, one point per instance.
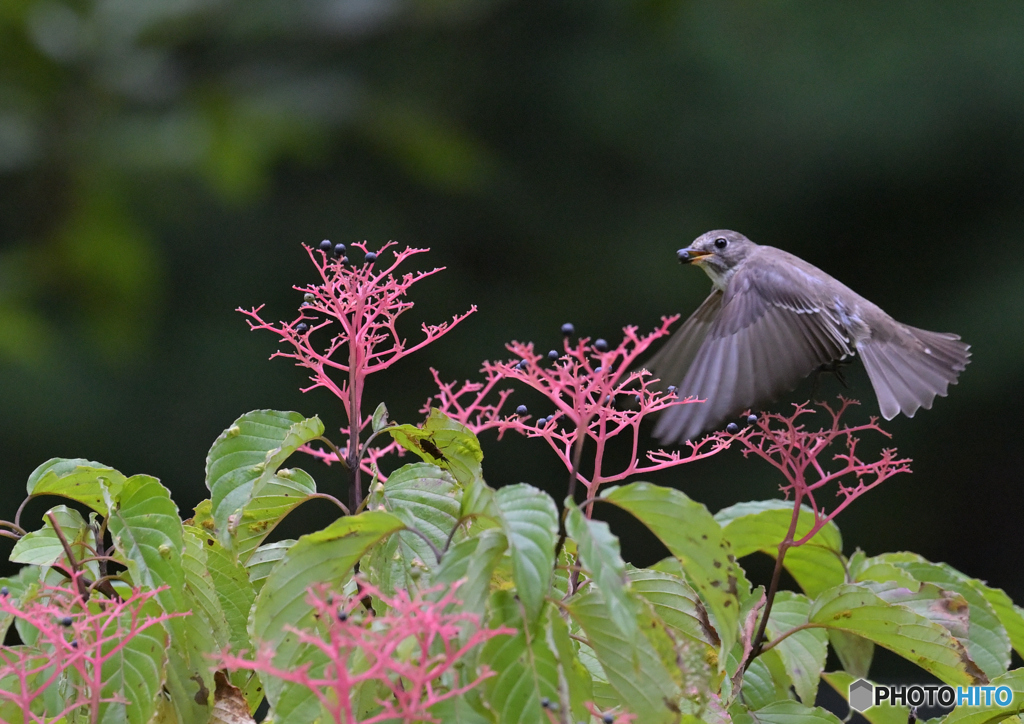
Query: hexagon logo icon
<point x="861" y="695"/>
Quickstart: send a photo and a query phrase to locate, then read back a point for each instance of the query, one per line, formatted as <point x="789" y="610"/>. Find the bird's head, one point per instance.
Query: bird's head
<point x="718" y="253"/>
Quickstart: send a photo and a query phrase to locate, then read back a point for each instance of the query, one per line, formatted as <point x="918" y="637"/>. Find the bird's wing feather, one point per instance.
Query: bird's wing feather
<point x="767" y="336"/>
<point x="674" y="358"/>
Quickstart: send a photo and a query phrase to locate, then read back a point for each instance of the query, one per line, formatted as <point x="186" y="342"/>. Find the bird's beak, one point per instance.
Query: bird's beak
<point x="691" y="256"/>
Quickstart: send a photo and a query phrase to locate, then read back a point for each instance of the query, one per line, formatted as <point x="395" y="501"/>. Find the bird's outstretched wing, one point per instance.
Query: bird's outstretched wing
<point x="765" y="338"/>
<point x="675" y="356"/>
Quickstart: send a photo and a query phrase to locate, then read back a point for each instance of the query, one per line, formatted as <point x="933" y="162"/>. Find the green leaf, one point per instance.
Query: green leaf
<point x="222" y="593"/>
<point x="380" y="418"/>
<point x="693" y="536"/>
<point x="763" y="525"/>
<point x="148" y="533"/>
<point x="989" y="714"/>
<point x="803" y="653"/>
<point x="856" y="609"/>
<point x="525" y="666"/>
<point x="80" y="480"/>
<point x="473" y="560"/>
<point x="43" y="548"/>
<point x="986" y="639"/>
<point x="530" y="522"/>
<point x="133" y="673"/>
<point x="446" y="443"/>
<point x="635" y="671"/>
<point x="792" y="712"/>
<point x="426" y="498"/>
<point x="574" y="680"/>
<point x="674" y="602"/>
<point x="326" y="556"/>
<point x="884" y="713"/>
<point x="263" y="560"/>
<point x="599" y="553"/>
<point x="1010" y="615"/>
<point x="278" y="495"/>
<point x="855" y="653"/>
<point x="247" y="455"/>
<point x="766" y="680"/>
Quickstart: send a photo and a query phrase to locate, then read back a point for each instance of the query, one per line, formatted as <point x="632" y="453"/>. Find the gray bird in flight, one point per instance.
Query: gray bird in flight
<point x="771" y="320"/>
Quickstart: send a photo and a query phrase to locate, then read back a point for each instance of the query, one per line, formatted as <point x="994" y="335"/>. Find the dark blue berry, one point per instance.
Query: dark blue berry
<point x="522" y="365"/>
<point x="5" y="591"/>
<point x="325" y="245"/>
<point x="732" y="428"/>
<point x="568" y="329"/>
<point x="553" y="355"/>
<point x="342" y="616"/>
<point x="339" y="250"/>
<point x="370" y="257"/>
<point x="521" y="410"/>
<point x="598" y="369"/>
<point x="601" y="345"/>
<point x="301" y="327"/>
<point x="751" y="419"/>
<point x="608" y="719"/>
<point x="74" y="644"/>
<point x="545" y="703"/>
<point x="671" y="389"/>
<point x="66" y="621"/>
<point x="344" y="260"/>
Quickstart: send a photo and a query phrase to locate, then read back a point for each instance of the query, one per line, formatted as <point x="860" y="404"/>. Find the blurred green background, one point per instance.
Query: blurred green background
<point x="161" y="163"/>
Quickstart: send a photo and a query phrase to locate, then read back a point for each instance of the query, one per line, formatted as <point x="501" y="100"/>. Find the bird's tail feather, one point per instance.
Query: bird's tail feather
<point x="908" y="371"/>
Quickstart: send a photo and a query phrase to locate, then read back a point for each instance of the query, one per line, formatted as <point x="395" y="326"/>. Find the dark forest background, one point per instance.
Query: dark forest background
<point x="162" y="162"/>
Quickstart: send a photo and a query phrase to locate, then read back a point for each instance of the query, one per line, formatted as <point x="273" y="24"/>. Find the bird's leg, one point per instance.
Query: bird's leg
<point x="835" y="367"/>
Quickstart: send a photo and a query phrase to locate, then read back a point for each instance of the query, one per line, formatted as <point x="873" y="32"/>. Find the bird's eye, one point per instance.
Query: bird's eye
<point x="720" y="243"/>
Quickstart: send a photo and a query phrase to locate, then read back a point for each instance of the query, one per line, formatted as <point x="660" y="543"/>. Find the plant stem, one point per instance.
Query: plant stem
<point x="773" y="588"/>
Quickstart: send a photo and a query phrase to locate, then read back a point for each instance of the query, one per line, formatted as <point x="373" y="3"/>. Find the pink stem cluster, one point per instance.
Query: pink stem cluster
<point x="73" y="635"/>
<point x="346" y="329"/>
<point x="596" y="393"/>
<point x="407" y="651"/>
<point x="787" y="445"/>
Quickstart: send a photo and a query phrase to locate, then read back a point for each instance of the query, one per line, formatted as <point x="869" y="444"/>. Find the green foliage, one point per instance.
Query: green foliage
<point x="653" y="642"/>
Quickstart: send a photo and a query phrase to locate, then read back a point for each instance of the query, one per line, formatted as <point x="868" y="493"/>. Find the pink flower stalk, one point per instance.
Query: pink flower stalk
<point x="409" y="651"/>
<point x="73" y="635"/>
<point x="346" y="330"/>
<point x="612" y="718"/>
<point x="785" y="443"/>
<point x="597" y="393"/>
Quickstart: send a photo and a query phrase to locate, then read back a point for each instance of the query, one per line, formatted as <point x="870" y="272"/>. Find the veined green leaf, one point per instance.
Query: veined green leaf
<point x="599" y="554"/>
<point x="43" y="548"/>
<point x="84" y="481"/>
<point x="856" y="609"/>
<point x="326" y="556"/>
<point x="986" y="638"/>
<point x="530" y="523"/>
<point x="693" y="536"/>
<point x="766" y="680"/>
<point x="884" y="713"/>
<point x="263" y="560"/>
<point x="991" y="713"/>
<point x="446" y="443"/>
<point x="791" y="712"/>
<point x="803" y="653"/>
<point x="246" y="456"/>
<point x="134" y="673"/>
<point x="635" y="672"/>
<point x="674" y="602"/>
<point x="525" y="666"/>
<point x="763" y="525"/>
<point x="148" y="534"/>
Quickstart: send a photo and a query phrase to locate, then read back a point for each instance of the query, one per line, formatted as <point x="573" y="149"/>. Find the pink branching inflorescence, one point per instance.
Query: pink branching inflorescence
<point x="786" y="443"/>
<point x="597" y="394"/>
<point x="73" y="635"/>
<point x="412" y="651"/>
<point x="346" y="330"/>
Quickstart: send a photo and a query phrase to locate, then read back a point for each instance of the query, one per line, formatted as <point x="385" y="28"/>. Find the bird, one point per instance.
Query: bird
<point x="771" y="320"/>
